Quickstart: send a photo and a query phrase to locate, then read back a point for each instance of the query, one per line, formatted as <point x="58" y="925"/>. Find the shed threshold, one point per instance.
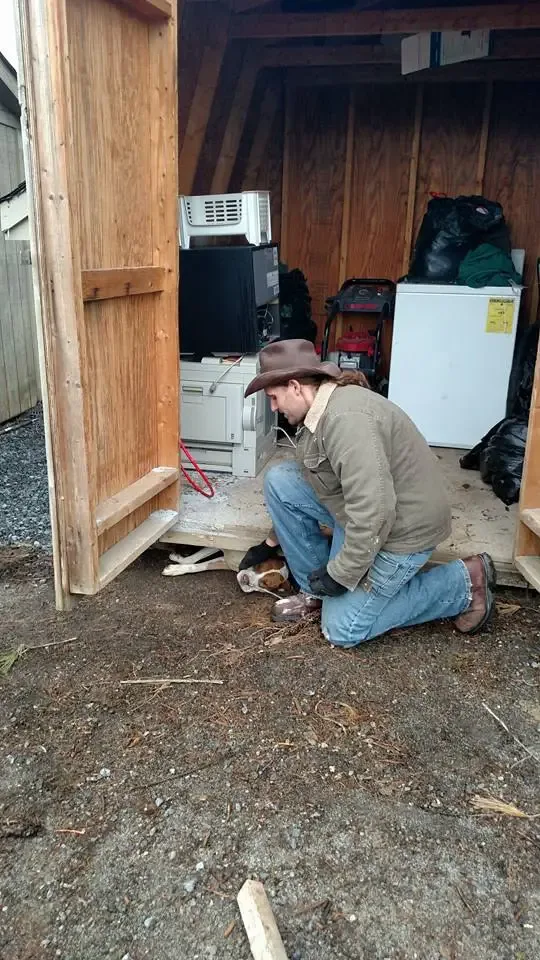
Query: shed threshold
<point x="236" y="518"/>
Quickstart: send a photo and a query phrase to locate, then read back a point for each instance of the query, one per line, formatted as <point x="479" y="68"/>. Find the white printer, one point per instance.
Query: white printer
<point x="225" y="432"/>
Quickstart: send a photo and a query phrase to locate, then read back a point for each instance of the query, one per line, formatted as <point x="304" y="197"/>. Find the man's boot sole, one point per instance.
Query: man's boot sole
<point x="491" y="573"/>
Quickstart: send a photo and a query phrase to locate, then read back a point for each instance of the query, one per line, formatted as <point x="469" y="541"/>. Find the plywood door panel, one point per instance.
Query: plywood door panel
<point x="512" y="173"/>
<point x="105" y="186"/>
<point x="450" y="142"/>
<point x="316" y="158"/>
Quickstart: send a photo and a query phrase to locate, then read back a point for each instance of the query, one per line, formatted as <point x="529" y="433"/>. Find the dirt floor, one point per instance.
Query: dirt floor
<point x="130" y="815"/>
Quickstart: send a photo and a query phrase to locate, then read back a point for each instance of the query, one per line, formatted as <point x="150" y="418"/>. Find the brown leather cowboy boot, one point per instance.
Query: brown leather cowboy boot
<point x="292" y="609"/>
<point x="483" y="580"/>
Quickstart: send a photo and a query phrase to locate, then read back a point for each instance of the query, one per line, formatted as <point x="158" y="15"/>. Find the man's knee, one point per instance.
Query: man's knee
<point x="340" y="629"/>
<point x="277" y="478"/>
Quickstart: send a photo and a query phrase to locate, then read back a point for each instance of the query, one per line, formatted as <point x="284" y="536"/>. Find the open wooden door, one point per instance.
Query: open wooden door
<point x="99" y="99"/>
<point x="527" y="548"/>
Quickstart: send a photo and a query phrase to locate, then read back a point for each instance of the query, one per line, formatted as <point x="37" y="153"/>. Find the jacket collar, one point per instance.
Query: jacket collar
<point x="318" y="406"/>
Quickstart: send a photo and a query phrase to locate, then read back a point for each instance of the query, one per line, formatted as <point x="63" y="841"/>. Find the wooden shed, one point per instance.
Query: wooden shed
<point x="306" y="99"/>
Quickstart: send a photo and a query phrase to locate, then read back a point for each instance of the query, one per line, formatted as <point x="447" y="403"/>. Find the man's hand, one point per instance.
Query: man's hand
<point x="263" y="551"/>
<point x="323" y="585"/>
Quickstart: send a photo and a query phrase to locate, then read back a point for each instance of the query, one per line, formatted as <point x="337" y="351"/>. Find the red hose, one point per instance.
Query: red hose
<point x="194" y="463"/>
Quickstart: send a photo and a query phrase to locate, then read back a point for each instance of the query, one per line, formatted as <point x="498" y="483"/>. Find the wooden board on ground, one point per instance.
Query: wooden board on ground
<point x="236" y="517"/>
<point x="261" y="928"/>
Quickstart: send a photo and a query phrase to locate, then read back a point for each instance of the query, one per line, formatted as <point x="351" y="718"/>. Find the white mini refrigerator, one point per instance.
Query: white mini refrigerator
<point x="452" y="352"/>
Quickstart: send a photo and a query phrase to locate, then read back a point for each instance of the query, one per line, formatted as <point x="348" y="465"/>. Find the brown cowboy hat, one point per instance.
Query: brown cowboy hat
<point x="287" y="360"/>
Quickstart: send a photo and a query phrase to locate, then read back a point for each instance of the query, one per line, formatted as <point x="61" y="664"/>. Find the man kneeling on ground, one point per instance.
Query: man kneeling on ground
<point x="364" y="470"/>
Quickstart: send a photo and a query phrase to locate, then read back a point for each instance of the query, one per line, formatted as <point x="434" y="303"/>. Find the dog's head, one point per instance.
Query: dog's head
<point x="269" y="576"/>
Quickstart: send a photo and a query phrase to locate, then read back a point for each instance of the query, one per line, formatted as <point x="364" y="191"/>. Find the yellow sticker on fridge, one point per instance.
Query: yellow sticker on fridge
<point x="500" y="315"/>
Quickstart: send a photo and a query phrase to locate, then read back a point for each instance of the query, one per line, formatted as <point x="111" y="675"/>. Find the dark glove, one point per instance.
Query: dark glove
<point x="323" y="585"/>
<point x="258" y="554"/>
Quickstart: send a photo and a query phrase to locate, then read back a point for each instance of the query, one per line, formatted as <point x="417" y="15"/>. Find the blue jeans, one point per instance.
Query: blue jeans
<point x="393" y="594"/>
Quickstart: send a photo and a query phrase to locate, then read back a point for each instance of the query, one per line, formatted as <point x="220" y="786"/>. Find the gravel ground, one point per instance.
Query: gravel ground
<point x="24" y="499"/>
<point x="131" y="815"/>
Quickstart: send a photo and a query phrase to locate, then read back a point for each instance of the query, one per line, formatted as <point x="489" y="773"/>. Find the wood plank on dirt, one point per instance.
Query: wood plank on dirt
<point x="264" y="937"/>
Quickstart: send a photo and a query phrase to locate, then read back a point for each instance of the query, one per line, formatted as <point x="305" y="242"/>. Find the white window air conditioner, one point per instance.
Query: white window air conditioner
<point x="226" y="214"/>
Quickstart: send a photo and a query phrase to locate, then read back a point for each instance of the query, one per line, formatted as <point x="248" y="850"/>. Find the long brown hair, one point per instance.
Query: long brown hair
<point x="347" y="378"/>
<point x="352" y="378"/>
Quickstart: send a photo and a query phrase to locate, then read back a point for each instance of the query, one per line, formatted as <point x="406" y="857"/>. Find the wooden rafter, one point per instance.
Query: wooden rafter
<point x="263" y="131"/>
<point x="243" y="6"/>
<point x="236" y="121"/>
<point x="523" y="47"/>
<point x="268" y="26"/>
<point x="484" y="135"/>
<point x="413" y="176"/>
<point x="285" y="184"/>
<point x="473" y="71"/>
<point x="201" y="104"/>
<point x="329" y="56"/>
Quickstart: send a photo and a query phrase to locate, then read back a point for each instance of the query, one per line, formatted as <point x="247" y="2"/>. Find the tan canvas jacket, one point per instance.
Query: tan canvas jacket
<point x="373" y="470"/>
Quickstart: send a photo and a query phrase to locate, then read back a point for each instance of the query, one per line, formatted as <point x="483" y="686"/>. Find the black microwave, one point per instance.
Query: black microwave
<point x="229" y="299"/>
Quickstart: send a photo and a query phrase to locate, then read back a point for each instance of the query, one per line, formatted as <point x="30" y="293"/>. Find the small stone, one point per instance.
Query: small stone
<point x="172" y="855"/>
<point x="159" y="801"/>
<point x="199" y="866"/>
<point x="352" y="918"/>
<point x="238" y="807"/>
<point x="150" y="923"/>
<point x="104" y="773"/>
<point x="189" y="885"/>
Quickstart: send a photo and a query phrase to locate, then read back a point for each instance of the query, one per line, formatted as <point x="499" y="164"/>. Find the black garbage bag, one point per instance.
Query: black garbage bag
<point x="521" y="382"/>
<point x="451" y="227"/>
<point x="499" y="457"/>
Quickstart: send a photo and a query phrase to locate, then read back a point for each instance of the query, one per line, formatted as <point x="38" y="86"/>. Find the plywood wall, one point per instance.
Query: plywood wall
<point x="407" y="143"/>
<point x="471" y="139"/>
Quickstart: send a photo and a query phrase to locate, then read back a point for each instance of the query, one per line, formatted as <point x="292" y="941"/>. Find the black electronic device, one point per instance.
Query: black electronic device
<point x="229" y="299"/>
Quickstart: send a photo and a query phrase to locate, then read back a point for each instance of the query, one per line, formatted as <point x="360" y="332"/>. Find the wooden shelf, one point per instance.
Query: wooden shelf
<point x="120" y="556"/>
<point x="114" y="509"/>
<point x="529" y="567"/>
<point x="149" y="9"/>
<point x="531" y="519"/>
